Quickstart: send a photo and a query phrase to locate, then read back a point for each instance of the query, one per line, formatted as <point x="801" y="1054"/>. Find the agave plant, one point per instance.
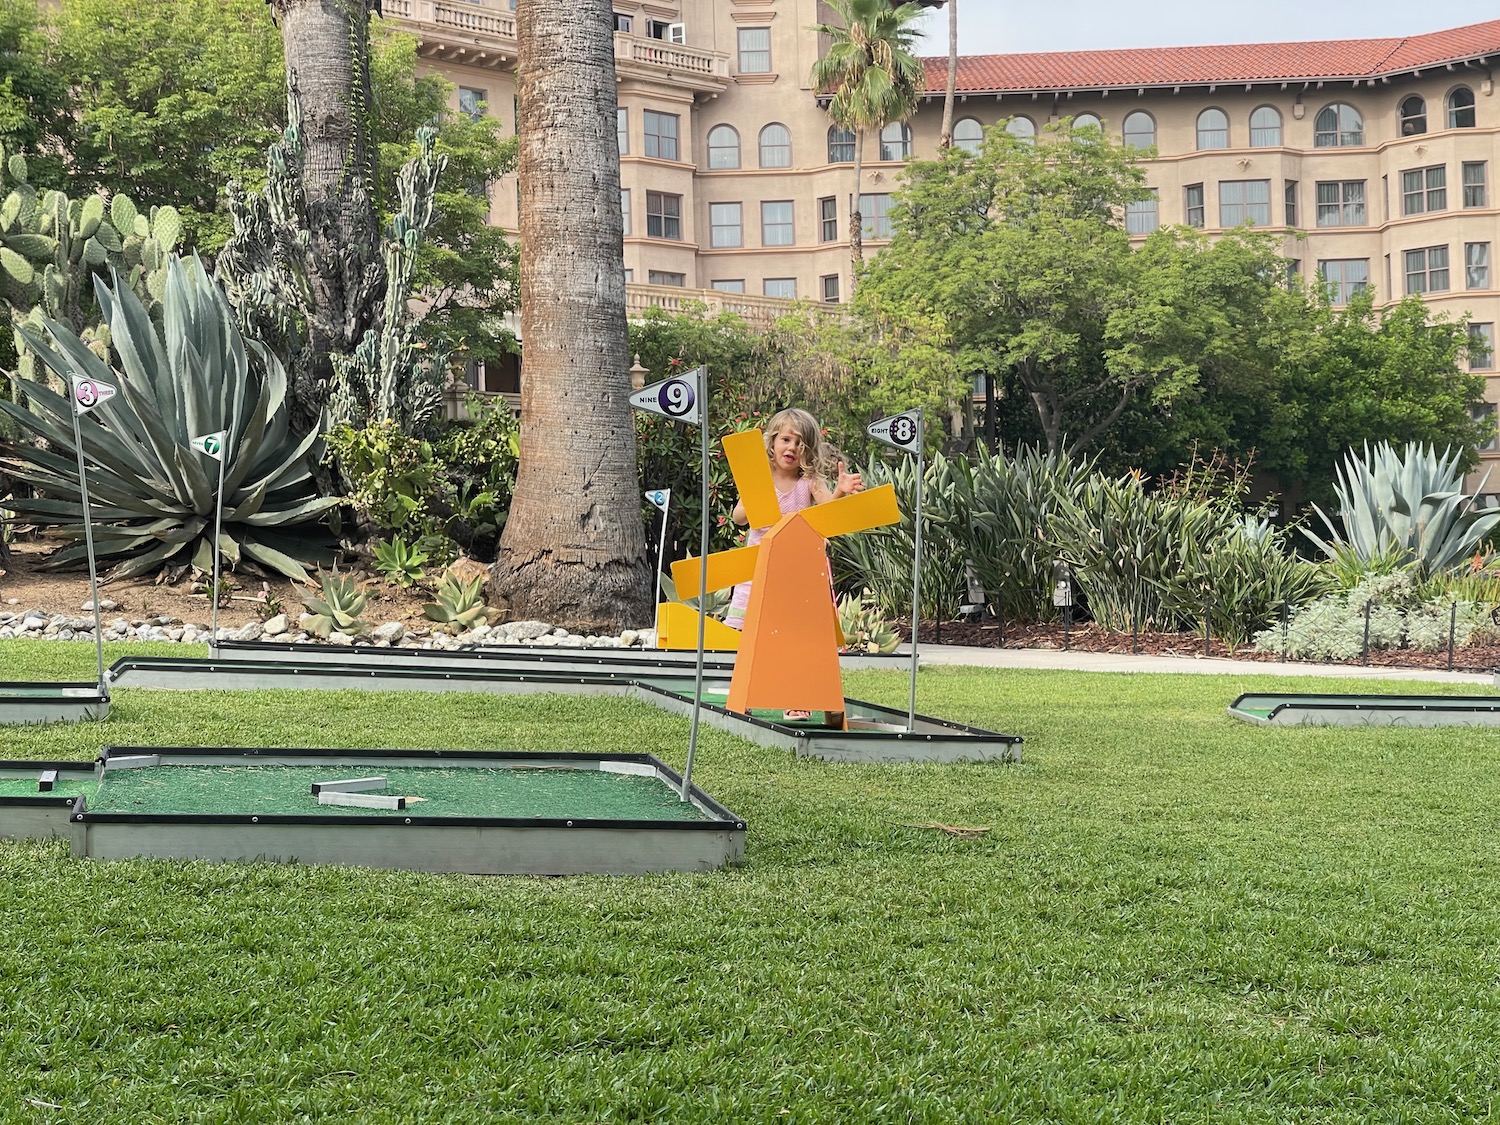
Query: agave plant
<point x="153" y="498"/>
<point x="336" y="604"/>
<point x="459" y="602"/>
<point x="1409" y="506"/>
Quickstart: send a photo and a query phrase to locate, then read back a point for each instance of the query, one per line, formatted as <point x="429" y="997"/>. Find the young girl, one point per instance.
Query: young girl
<point x="801" y="462"/>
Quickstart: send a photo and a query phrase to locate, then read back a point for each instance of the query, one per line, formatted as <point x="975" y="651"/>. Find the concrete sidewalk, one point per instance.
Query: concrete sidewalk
<point x="1118" y="662"/>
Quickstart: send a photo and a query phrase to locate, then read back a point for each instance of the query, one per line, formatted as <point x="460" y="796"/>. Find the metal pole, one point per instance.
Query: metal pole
<point x="218" y="523"/>
<point x="88" y="539"/>
<point x="916" y="576"/>
<point x="687" y="773"/>
<point x="661" y="558"/>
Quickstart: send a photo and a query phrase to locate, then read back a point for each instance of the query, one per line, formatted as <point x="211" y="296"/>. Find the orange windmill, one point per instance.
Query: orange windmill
<point x="788" y="652"/>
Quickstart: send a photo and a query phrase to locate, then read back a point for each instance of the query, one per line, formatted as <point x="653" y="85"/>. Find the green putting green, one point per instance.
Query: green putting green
<point x="284" y="790"/>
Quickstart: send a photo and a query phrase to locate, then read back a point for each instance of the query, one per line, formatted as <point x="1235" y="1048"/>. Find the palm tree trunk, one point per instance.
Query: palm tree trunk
<point x="327" y="49"/>
<point x="945" y="138"/>
<point x="574" y="550"/>
<point x="856" y="220"/>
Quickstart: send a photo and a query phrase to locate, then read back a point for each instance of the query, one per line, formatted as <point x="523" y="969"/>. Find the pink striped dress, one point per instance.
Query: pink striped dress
<point x="799" y="496"/>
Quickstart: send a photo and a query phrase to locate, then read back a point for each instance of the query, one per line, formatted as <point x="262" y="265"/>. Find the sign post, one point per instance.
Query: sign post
<point x="212" y="445"/>
<point x="661" y="500"/>
<point x="87" y="394"/>
<point x="684" y="398"/>
<point x="904" y="432"/>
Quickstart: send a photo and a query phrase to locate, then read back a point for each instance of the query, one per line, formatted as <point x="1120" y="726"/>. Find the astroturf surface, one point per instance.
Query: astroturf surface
<point x="1162" y="915"/>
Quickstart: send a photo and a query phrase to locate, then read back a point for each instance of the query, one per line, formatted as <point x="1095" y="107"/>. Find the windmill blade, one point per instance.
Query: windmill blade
<point x="748" y="464"/>
<point x="874" y="507"/>
<point x="725" y="569"/>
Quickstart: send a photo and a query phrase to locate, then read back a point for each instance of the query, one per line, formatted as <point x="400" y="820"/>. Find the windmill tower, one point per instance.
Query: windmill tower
<point x="788" y="652"/>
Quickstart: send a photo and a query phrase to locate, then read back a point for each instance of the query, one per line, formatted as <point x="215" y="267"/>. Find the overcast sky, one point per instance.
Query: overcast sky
<point x="987" y="27"/>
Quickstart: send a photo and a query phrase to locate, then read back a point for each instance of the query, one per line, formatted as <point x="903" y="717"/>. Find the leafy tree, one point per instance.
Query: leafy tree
<point x="1360" y="376"/>
<point x="1018" y="255"/>
<point x="573" y="550"/>
<point x="173" y="99"/>
<point x="36" y="118"/>
<point x="874" y="76"/>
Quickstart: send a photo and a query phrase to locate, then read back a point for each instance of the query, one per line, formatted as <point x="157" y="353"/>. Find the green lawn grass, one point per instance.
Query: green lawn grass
<point x="1174" y="917"/>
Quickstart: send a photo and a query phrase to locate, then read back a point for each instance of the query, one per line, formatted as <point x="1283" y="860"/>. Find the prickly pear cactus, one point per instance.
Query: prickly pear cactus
<point x="52" y="247"/>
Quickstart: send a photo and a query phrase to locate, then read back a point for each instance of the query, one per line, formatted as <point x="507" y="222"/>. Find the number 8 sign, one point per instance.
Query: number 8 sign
<point x="904" y="431"/>
<point x="677" y="398"/>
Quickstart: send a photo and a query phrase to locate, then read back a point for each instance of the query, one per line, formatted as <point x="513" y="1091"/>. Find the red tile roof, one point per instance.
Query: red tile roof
<point x="1195" y="66"/>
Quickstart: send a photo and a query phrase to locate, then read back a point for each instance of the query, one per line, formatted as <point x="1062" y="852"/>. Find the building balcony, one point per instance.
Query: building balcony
<point x="484" y="34"/>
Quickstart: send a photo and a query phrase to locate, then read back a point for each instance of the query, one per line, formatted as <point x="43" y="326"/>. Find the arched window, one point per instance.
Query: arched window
<point x="1022" y="127"/>
<point x="1338" y="126"/>
<point x="723" y="147"/>
<point x="840" y="145"/>
<point x="967" y="134"/>
<point x="1213" y="129"/>
<point x="1265" y="127"/>
<point x="1140" y="130"/>
<point x="1413" y="114"/>
<point x="1087" y="119"/>
<point x="1461" y="108"/>
<point x="775" y="146"/>
<point x="895" y="141"/>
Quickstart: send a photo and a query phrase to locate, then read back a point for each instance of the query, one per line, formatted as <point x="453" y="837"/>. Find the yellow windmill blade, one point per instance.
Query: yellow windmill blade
<point x="751" y="469"/>
<point x="725" y="569"/>
<point x="860" y="511"/>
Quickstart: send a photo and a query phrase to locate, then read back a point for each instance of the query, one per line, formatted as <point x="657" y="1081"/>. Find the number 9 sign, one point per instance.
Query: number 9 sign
<point x="676" y="398"/>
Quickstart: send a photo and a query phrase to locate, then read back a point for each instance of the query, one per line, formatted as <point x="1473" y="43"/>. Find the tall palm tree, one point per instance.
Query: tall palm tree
<point x="874" y="76"/>
<point x="327" y="48"/>
<point x="945" y="138"/>
<point x="573" y="551"/>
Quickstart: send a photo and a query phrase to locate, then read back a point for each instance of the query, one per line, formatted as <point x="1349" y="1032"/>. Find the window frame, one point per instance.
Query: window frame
<point x="1341" y="206"/>
<point x="718" y="285"/>
<point x="846" y="138"/>
<point x="1416" y="118"/>
<point x="1426" y="270"/>
<point x="665" y="219"/>
<point x="1127" y="133"/>
<point x="901" y="144"/>
<point x="827" y="204"/>
<point x="716" y="225"/>
<point x="823" y="289"/>
<point x="1200" y="207"/>
<point x="1200" y="130"/>
<point x="766" y="284"/>
<point x="1138" y="211"/>
<point x="762" y="146"/>
<point x="968" y="144"/>
<point x="742" y="53"/>
<point x="1289" y="208"/>
<point x="1487" y="361"/>
<point x="719" y="130"/>
<point x="1027" y="131"/>
<point x="1432" y="181"/>
<point x="875" y="221"/>
<point x="1455" y="110"/>
<point x="1344" y="287"/>
<point x="1476" y="270"/>
<point x="654" y="277"/>
<point x="656" y="139"/>
<point x="1263" y="129"/>
<point x="1339" y="136"/>
<point x="1482" y="196"/>
<point x="625" y="212"/>
<point x="1245" y="204"/>
<point x="789" y="225"/>
<point x="478" y="107"/>
<point x="622" y="129"/>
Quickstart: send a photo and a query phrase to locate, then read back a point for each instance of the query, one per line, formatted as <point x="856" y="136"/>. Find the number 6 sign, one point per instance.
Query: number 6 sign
<point x="678" y="398"/>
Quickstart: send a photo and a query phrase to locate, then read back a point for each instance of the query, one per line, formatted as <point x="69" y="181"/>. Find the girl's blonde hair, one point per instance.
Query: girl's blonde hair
<point x="819" y="457"/>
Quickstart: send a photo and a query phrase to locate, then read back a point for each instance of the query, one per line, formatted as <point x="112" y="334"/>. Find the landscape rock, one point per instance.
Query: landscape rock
<point x="389" y="633"/>
<point x="275" y="626"/>
<point x="250" y="631"/>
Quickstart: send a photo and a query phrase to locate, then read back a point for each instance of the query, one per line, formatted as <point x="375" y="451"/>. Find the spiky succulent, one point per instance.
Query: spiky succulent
<point x="1409" y="506"/>
<point x="335" y="605"/>
<point x="459" y="602"/>
<point x="153" y="498"/>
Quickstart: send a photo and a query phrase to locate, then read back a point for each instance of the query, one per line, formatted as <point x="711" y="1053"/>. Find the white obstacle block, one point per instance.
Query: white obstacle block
<point x="348" y="785"/>
<point x="361" y="800"/>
